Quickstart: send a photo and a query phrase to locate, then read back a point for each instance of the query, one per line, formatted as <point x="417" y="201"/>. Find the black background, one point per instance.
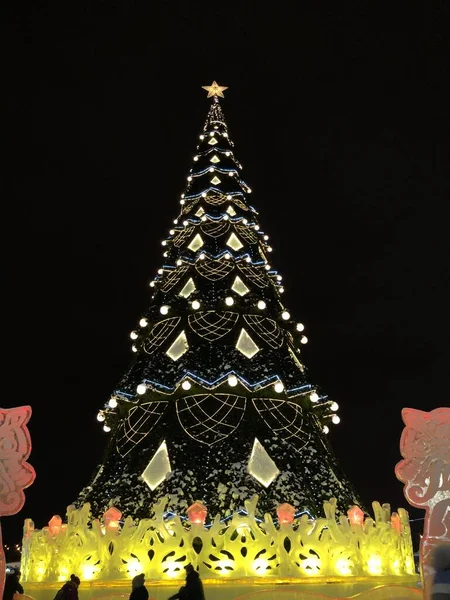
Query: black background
<point x="339" y="114"/>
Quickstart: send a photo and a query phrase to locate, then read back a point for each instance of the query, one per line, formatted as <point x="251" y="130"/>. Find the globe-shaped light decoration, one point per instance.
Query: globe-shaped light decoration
<point x="111" y="518"/>
<point x="112" y="402"/>
<point x="285" y="513"/>
<point x="279" y="278"/>
<point x="164" y="243"/>
<point x="134" y="348"/>
<point x="334" y="407"/>
<point x="267" y="267"/>
<point x="299" y="327"/>
<point x="326" y="429"/>
<point x="100" y="417"/>
<point x="141" y="388"/>
<point x="172" y="232"/>
<point x="179" y="262"/>
<point x="314" y="397"/>
<point x="229" y="301"/>
<point x="197" y="513"/>
<point x="335" y="419"/>
<point x="202" y="256"/>
<point x="355" y="515"/>
<point x="195" y="304"/>
<point x="248" y="259"/>
<point x="285" y="315"/>
<point x="303" y="339"/>
<point x="143" y="322"/>
<point x="164" y="310"/>
<point x="106" y="428"/>
<point x="278" y="387"/>
<point x="232" y="380"/>
<point x="227" y="255"/>
<point x="261" y="304"/>
<point x="228" y="197"/>
<point x="152" y="284"/>
<point x="160" y="271"/>
<point x="133" y="335"/>
<point x="281" y="290"/>
<point x="225" y="217"/>
<point x="186" y="385"/>
<point x="55" y="525"/>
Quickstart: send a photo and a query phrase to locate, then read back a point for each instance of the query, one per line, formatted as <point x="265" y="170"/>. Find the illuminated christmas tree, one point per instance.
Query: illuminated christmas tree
<point x="216" y="405"/>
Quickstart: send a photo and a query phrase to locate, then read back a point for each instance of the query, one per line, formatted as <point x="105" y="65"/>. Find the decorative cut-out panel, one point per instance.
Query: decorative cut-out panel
<point x="239" y="287"/>
<point x="179" y="347"/>
<point x="196" y="243"/>
<point x="188" y="288"/>
<point x="212" y="141"/>
<point x="266" y="329"/>
<point x="138" y="423"/>
<point x="215" y="180"/>
<point x="284" y="418"/>
<point x="214" y="269"/>
<point x="326" y="546"/>
<point x="246" y="345"/>
<point x="210" y="418"/>
<point x="261" y="466"/>
<point x="214" y="159"/>
<point x="212" y="325"/>
<point x="158" y="468"/>
<point x="159" y="334"/>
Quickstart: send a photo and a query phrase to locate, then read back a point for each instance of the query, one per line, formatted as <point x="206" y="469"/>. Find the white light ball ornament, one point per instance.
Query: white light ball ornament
<point x="261" y="304"/>
<point x="112" y="403"/>
<point x="195" y="304"/>
<point x="141" y="389"/>
<point x="143" y="322"/>
<point x="229" y="301"/>
<point x="278" y="387"/>
<point x="186" y="385"/>
<point x="334" y="407"/>
<point x="134" y="348"/>
<point x="232" y="381"/>
<point x="164" y="310"/>
<point x="335" y="419"/>
<point x="100" y="417"/>
<point x="314" y="397"/>
<point x="303" y="339"/>
<point x="285" y="315"/>
<point x="299" y="327"/>
<point x="106" y="428"/>
<point x="326" y="429"/>
<point x="133" y="335"/>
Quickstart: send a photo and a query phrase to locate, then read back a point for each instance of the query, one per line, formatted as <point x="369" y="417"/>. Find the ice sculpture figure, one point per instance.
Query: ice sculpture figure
<point x="425" y="471"/>
<point x="15" y="473"/>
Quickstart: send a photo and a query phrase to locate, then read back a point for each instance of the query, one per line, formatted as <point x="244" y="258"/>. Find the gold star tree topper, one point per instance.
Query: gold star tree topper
<point x="214" y="89"/>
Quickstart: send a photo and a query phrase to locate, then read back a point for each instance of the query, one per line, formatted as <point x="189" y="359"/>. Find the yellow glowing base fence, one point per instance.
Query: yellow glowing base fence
<point x="242" y="547"/>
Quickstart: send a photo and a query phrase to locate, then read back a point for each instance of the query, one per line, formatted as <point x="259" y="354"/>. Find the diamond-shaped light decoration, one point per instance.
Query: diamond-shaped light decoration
<point x="215" y="180"/>
<point x="246" y="345"/>
<point x="261" y="466"/>
<point x="188" y="288"/>
<point x="158" y="468"/>
<point x="215" y="159"/>
<point x="239" y="287"/>
<point x="212" y="141"/>
<point x="196" y="243"/>
<point x="179" y="347"/>
<point x="200" y="212"/>
<point x="234" y="242"/>
<point x="231" y="211"/>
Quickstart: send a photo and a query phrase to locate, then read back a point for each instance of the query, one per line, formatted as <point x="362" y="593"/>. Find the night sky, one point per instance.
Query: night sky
<point x="340" y="119"/>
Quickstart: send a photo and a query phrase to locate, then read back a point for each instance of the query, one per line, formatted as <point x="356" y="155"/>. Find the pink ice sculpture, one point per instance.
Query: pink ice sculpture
<point x="15" y="473"/>
<point x="425" y="471"/>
